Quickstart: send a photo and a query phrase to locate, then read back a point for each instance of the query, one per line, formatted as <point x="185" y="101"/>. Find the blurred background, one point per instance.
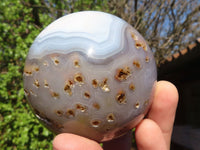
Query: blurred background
<point x="171" y="28"/>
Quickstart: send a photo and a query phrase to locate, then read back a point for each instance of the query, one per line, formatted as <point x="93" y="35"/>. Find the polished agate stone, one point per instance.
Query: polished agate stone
<point x="91" y="74"/>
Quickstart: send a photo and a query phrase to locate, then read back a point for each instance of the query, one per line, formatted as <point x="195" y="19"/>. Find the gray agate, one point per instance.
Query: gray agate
<point x="91" y="74"/>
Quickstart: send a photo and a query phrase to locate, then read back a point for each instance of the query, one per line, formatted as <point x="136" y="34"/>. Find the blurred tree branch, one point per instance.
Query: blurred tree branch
<point x="168" y="26"/>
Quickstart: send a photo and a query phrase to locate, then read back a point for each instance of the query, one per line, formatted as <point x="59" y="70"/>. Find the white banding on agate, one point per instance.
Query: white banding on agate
<point x="99" y="39"/>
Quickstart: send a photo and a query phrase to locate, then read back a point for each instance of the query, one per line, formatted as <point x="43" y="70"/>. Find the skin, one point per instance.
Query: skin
<point x="153" y="133"/>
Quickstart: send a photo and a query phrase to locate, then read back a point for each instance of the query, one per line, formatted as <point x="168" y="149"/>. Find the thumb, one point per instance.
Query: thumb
<point x="149" y="136"/>
<point x="67" y="141"/>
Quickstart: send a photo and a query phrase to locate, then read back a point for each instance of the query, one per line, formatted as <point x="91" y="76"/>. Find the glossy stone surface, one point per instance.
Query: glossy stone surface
<point x="90" y="73"/>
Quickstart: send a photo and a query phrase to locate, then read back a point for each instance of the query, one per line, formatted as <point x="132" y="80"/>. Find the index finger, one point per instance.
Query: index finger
<point x="163" y="108"/>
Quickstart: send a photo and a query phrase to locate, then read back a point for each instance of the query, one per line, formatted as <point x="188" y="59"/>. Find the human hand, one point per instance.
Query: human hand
<point x="153" y="133"/>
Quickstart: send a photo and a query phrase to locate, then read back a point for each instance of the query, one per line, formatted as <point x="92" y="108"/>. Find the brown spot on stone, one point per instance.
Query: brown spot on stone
<point x="79" y="78"/>
<point x="123" y="73"/>
<point x="76" y="63"/>
<point x="95" y="123"/>
<point x="87" y="95"/>
<point x="68" y="87"/>
<point x="137" y="105"/>
<point x="36" y="83"/>
<point x="70" y="113"/>
<point x="104" y="85"/>
<point x="59" y="113"/>
<point x="133" y="36"/>
<point x="71" y="83"/>
<point x="132" y="87"/>
<point x="137" y="64"/>
<point x="121" y="97"/>
<point x="144" y="47"/>
<point x="94" y="83"/>
<point x="27" y="73"/>
<point x="138" y="44"/>
<point x="55" y="60"/>
<point x="32" y="93"/>
<point x="81" y="107"/>
<point x="54" y="94"/>
<point x="26" y="92"/>
<point x="46" y="85"/>
<point x="36" y="69"/>
<point x="96" y="105"/>
<point x="110" y="117"/>
<point x="147" y="59"/>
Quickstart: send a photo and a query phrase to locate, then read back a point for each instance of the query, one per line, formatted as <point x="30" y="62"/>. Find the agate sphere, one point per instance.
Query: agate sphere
<point x="90" y="73"/>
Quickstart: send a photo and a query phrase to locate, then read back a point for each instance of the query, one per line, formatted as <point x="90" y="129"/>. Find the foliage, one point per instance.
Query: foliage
<point x="18" y="127"/>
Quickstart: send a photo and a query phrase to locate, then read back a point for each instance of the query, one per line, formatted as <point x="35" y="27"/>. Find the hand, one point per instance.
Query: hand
<point x="153" y="133"/>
